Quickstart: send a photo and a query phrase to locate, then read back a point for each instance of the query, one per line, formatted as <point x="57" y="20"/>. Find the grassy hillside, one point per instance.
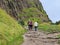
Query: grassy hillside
<point x="10" y="31"/>
<point x="26" y="9"/>
<point x="33" y="14"/>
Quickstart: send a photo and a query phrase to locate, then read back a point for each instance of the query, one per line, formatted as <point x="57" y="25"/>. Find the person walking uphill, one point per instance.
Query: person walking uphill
<point x="30" y="25"/>
<point x="35" y="26"/>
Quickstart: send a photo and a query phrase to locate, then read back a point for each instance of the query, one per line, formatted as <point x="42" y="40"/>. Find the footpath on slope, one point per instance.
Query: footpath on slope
<point x="40" y="38"/>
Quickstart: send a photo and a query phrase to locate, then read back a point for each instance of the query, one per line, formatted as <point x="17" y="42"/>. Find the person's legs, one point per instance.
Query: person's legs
<point x="31" y="27"/>
<point x="35" y="28"/>
<point x="28" y="27"/>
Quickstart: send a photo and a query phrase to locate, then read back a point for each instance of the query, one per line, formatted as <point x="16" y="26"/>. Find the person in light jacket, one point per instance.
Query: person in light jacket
<point x="35" y="26"/>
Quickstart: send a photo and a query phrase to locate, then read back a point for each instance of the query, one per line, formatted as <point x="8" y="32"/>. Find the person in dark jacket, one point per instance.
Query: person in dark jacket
<point x="30" y="25"/>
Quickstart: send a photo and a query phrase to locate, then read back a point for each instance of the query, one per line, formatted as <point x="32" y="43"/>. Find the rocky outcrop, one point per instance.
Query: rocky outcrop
<point x="16" y="7"/>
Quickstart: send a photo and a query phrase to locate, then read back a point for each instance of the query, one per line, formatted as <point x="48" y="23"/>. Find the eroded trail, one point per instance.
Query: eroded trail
<point x="40" y="38"/>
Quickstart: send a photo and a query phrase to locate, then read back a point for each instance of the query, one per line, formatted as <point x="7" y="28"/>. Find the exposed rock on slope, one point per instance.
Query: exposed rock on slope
<point x="25" y="9"/>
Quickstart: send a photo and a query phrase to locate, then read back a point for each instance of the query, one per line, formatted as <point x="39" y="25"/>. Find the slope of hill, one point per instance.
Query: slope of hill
<point x="25" y="9"/>
<point x="10" y="31"/>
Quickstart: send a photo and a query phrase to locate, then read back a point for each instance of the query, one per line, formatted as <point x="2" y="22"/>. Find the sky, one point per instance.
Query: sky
<point x="52" y="8"/>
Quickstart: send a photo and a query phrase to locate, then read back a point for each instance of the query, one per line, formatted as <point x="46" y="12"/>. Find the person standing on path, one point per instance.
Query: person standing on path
<point x="30" y="25"/>
<point x="35" y="26"/>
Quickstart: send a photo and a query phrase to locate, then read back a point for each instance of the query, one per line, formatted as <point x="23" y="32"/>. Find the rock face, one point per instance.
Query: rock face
<point x="25" y="9"/>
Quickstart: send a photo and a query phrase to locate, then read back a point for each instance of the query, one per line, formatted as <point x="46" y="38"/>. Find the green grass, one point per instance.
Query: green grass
<point x="33" y="14"/>
<point x="10" y="31"/>
<point x="49" y="28"/>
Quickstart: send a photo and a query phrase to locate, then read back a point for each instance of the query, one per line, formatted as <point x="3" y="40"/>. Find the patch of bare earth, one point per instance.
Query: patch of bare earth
<point x="40" y="38"/>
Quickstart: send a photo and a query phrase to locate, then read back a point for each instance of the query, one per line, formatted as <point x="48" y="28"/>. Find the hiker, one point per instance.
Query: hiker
<point x="35" y="26"/>
<point x="30" y="25"/>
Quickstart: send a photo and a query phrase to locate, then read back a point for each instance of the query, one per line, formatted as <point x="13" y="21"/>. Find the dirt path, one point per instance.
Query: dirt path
<point x="40" y="38"/>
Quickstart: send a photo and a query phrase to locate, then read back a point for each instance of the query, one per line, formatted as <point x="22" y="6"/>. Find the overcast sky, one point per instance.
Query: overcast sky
<point x="52" y="7"/>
